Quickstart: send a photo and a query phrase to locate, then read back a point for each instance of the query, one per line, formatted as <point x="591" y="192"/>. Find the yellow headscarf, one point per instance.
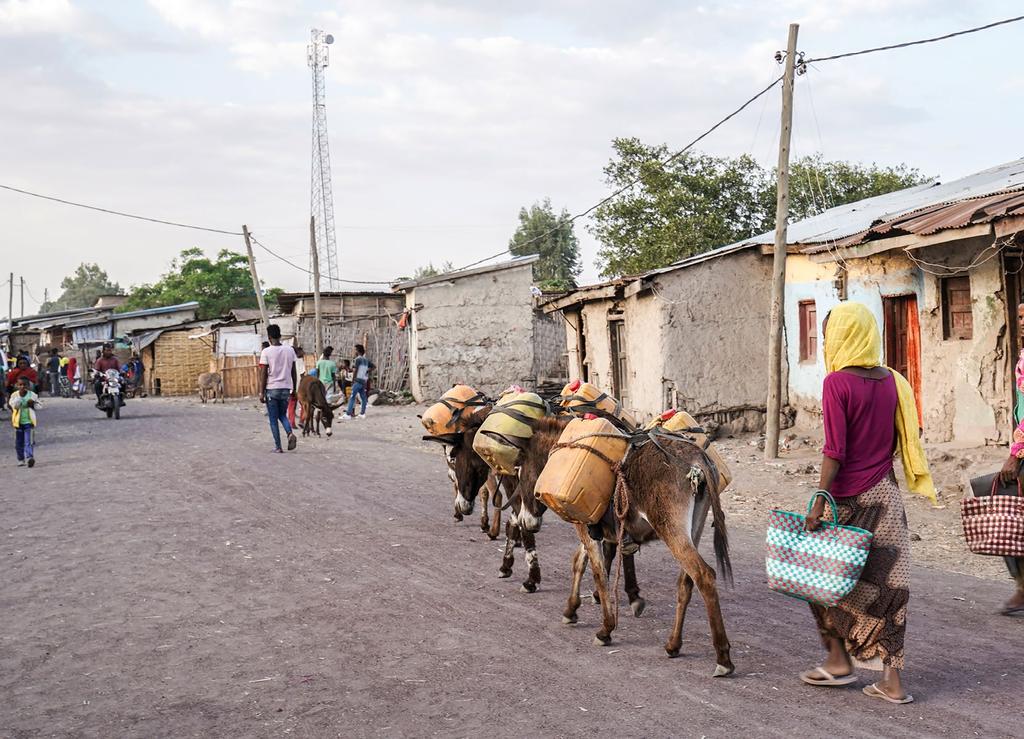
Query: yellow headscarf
<point x="852" y="340"/>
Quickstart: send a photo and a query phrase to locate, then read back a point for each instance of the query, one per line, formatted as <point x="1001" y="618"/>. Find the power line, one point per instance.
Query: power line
<point x="915" y="43"/>
<point x="629" y="185"/>
<point x="308" y="272"/>
<point x="120" y="213"/>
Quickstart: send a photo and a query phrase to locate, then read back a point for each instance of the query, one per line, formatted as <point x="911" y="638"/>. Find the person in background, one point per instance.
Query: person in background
<point x="22" y="369"/>
<point x="278" y="383"/>
<point x="361" y="371"/>
<point x="345" y="376"/>
<point x="53" y="372"/>
<point x="327" y="370"/>
<point x="3" y="374"/>
<point x="135" y="374"/>
<point x="23" y="417"/>
<point x="105" y="361"/>
<point x="868" y="411"/>
<point x="294" y="409"/>
<point x="74" y="377"/>
<point x="1011" y="472"/>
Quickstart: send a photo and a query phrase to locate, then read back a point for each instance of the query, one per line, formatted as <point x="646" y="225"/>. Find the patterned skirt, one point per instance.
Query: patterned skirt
<point x="872" y="619"/>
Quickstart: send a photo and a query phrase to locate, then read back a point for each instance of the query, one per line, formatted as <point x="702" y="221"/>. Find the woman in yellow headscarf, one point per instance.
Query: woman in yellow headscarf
<point x="869" y="413"/>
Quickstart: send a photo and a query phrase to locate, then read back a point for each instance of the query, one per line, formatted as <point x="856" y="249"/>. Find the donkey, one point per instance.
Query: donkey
<point x="211" y="385"/>
<point x="315" y="408"/>
<point x="668" y="485"/>
<point x="471" y="477"/>
<point x="526" y="520"/>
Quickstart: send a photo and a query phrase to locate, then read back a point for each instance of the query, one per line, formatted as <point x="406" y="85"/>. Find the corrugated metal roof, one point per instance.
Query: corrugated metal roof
<point x="446" y="276"/>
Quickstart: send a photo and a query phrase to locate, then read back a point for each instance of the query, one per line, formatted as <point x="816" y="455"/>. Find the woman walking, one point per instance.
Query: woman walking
<point x="869" y="413"/>
<point x="1011" y="473"/>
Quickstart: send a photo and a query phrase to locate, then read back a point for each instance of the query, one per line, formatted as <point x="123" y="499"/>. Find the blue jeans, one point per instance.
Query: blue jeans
<point x="277" y="410"/>
<point x="24" y="438"/>
<point x="358" y="390"/>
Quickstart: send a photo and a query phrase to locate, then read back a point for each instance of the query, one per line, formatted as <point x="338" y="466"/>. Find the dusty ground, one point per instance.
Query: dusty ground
<point x="166" y="576"/>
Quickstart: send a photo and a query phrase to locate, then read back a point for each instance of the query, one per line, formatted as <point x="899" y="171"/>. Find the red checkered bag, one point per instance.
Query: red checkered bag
<point x="995" y="524"/>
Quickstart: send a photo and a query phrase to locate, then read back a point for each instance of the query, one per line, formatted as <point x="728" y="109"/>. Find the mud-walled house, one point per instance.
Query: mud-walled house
<point x="481" y="327"/>
<point x="941" y="265"/>
<point x="691" y="335"/>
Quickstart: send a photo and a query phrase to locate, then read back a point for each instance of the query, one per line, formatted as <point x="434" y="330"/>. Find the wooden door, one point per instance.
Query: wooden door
<point x="1013" y="266"/>
<point x="903" y="340"/>
<point x="617" y="339"/>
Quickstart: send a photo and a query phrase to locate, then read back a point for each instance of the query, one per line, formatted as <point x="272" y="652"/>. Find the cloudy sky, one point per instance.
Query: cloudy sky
<point x="445" y="117"/>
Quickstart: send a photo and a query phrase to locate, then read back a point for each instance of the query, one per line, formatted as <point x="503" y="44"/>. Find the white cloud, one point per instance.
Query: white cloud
<point x="37" y="16"/>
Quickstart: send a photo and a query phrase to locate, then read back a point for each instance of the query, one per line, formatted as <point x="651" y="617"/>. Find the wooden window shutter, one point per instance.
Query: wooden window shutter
<point x="808" y="331"/>
<point x="957" y="314"/>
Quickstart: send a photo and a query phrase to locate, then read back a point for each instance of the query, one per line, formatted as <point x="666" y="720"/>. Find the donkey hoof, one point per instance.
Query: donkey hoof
<point x="457" y="516"/>
<point x="672" y="652"/>
<point x="637" y="607"/>
<point x="491" y="536"/>
<point x="602" y="641"/>
<point x="723" y="671"/>
<point x="570" y="620"/>
<point x="596" y="598"/>
<point x="503" y="574"/>
<point x="528" y="587"/>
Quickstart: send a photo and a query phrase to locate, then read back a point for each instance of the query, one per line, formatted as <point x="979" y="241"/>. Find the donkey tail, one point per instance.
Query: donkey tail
<point x="721" y="538"/>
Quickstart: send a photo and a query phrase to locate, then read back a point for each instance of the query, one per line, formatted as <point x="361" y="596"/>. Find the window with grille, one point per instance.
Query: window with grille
<point x="808" y="331"/>
<point x="957" y="317"/>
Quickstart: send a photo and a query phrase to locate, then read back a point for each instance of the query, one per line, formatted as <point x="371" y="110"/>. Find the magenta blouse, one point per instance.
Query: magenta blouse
<point x="860" y="430"/>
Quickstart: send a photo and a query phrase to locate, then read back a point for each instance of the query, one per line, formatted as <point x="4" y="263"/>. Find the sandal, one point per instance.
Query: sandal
<point x="873" y="691"/>
<point x="830" y="681"/>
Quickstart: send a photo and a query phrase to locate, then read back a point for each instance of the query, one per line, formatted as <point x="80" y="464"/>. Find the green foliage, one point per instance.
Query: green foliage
<point x="81" y="289"/>
<point x="218" y="285"/>
<point x="541" y="232"/>
<point x="698" y="202"/>
<point x="431" y="271"/>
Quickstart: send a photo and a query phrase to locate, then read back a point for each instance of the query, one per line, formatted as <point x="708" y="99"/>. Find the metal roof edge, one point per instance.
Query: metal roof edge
<point x="458" y="275"/>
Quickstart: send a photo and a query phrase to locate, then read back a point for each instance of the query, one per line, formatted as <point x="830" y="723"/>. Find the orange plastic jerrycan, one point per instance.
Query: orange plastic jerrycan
<point x="507" y="429"/>
<point x="450" y="414"/>
<point x="576" y="483"/>
<point x="679" y="421"/>
<point x="583" y="395"/>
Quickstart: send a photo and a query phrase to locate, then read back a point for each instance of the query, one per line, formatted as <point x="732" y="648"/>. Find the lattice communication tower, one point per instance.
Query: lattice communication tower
<point x="321" y="193"/>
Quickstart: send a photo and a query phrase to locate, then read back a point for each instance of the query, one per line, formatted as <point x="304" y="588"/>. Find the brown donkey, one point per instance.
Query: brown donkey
<point x="672" y="484"/>
<point x="470" y="477"/>
<point x="526" y="519"/>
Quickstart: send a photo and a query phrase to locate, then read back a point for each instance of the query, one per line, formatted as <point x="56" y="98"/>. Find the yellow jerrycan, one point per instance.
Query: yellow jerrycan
<point x="450" y="414"/>
<point x="581" y="397"/>
<point x="679" y="420"/>
<point x="578" y="483"/>
<point x="506" y="430"/>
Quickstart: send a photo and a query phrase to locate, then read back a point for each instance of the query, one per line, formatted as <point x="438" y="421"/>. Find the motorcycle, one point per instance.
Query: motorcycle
<point x="111" y="395"/>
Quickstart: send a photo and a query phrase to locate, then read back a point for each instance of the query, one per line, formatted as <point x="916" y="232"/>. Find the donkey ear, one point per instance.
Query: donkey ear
<point x="446" y="439"/>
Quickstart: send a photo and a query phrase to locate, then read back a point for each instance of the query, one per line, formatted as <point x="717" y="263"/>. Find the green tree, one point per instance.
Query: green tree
<point x="217" y="284"/>
<point x="697" y="202"/>
<point x="82" y="288"/>
<point x="541" y="232"/>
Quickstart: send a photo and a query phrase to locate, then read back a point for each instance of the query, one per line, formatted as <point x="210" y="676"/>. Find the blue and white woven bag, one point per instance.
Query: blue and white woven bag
<point x="820" y="566"/>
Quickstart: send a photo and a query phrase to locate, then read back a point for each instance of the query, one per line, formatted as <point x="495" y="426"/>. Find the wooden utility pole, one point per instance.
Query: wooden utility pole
<point x="771" y="441"/>
<point x="255" y="280"/>
<point x="21" y="313"/>
<point x="318" y="334"/>
<point x="10" y="304"/>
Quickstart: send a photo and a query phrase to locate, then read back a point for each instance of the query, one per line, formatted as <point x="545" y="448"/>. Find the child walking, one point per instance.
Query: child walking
<point x="23" y="417"/>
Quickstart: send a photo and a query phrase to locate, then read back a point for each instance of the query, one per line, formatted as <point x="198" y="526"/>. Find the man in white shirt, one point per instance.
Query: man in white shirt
<point x="277" y="385"/>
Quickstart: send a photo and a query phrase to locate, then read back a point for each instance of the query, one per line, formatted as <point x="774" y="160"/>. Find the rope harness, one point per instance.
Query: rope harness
<point x="458" y="407"/>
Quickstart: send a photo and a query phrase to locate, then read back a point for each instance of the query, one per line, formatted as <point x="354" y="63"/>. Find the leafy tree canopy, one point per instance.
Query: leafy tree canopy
<point x="82" y="288"/>
<point x="698" y="202"/>
<point x="541" y="232"/>
<point x="217" y="284"/>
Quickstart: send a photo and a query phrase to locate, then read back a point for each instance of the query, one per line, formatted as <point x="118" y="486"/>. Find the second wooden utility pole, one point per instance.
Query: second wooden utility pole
<point x="10" y="306"/>
<point x="772" y="423"/>
<point x="255" y="281"/>
<point x="21" y="313"/>
<point x="318" y="333"/>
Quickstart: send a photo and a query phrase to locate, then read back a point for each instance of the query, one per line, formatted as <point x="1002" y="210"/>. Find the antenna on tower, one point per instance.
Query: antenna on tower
<point x="321" y="193"/>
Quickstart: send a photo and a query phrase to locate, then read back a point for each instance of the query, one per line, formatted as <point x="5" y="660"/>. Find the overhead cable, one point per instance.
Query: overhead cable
<point x="915" y="43"/>
<point x="121" y="213"/>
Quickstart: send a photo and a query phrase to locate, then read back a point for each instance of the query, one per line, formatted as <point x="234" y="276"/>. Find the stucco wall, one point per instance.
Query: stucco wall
<point x="549" y="346"/>
<point x="476" y="330"/>
<point x="598" y="359"/>
<point x="965" y="384"/>
<point x="715" y="337"/>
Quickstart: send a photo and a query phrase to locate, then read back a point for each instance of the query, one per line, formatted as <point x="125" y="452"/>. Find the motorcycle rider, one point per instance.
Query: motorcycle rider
<point x="106" y="361"/>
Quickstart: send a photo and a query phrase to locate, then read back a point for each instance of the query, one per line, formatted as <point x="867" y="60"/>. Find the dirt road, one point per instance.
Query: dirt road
<point x="165" y="575"/>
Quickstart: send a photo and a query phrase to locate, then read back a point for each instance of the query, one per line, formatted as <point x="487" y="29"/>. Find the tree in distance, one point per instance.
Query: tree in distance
<point x="82" y="288"/>
<point x="541" y="232"/>
<point x="217" y="284"/>
<point x="697" y="202"/>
